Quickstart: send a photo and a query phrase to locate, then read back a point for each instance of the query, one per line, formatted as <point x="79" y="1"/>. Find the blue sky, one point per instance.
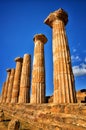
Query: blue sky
<point x="20" y="20"/>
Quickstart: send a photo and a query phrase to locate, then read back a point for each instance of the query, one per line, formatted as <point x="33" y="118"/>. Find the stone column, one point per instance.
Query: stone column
<point x="3" y="90"/>
<point x="24" y="95"/>
<point x="16" y="83"/>
<point x="64" y="87"/>
<point x="10" y="86"/>
<point x="6" y="85"/>
<point x="38" y="72"/>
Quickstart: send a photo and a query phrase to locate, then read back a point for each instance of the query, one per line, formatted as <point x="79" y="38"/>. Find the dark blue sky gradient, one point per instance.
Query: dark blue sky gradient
<point x="20" y="20"/>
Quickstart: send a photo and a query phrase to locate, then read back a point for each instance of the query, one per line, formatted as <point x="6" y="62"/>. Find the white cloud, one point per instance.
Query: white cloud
<point x="75" y="58"/>
<point x="83" y="65"/>
<point x="72" y="57"/>
<point x="79" y="70"/>
<point x="74" y="50"/>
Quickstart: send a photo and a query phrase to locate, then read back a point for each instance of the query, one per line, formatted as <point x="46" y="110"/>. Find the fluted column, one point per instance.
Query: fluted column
<point x="24" y="94"/>
<point x="3" y="90"/>
<point x="16" y="83"/>
<point x="38" y="72"/>
<point x="10" y="86"/>
<point x="64" y="88"/>
<point x="6" y="85"/>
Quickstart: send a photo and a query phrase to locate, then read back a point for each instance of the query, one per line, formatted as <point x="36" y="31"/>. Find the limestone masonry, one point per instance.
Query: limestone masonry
<point x="16" y="83"/>
<point x="10" y="86"/>
<point x="6" y="85"/>
<point x="38" y="72"/>
<point x="24" y="94"/>
<point x="63" y="79"/>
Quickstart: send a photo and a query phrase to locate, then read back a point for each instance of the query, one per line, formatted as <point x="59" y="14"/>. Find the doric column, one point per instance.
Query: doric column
<point x="3" y="90"/>
<point x="10" y="86"/>
<point x="16" y="83"/>
<point x="38" y="72"/>
<point x="24" y="94"/>
<point x="6" y="85"/>
<point x="64" y="88"/>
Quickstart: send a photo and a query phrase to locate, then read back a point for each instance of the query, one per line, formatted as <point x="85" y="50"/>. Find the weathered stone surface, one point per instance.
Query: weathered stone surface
<point x="24" y="94"/>
<point x="81" y="96"/>
<point x="1" y="115"/>
<point x="6" y="85"/>
<point x="49" y="116"/>
<point x="49" y="99"/>
<point x="10" y="86"/>
<point x="3" y="91"/>
<point x="14" y="124"/>
<point x="16" y="83"/>
<point x="64" y="88"/>
<point x="38" y="72"/>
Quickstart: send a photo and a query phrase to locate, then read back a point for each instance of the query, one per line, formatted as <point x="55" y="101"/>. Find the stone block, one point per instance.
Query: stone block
<point x="14" y="124"/>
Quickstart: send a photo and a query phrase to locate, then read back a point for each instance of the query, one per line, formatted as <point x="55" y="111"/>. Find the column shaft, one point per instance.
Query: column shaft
<point x="3" y="90"/>
<point x="6" y="85"/>
<point x="61" y="54"/>
<point x="24" y="95"/>
<point x="10" y="86"/>
<point x="16" y="83"/>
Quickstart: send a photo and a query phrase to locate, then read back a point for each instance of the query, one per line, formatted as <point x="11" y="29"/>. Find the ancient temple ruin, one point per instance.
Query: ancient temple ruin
<point x="16" y="88"/>
<point x="23" y="99"/>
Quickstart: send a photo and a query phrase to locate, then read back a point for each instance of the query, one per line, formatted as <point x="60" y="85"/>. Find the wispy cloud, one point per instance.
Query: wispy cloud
<point x="74" y="50"/>
<point x="75" y="58"/>
<point x="83" y="65"/>
<point x="79" y="70"/>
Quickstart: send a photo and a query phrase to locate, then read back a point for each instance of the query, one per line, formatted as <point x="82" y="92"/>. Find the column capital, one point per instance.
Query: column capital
<point x="13" y="69"/>
<point x="27" y="55"/>
<point x="26" y="59"/>
<point x="18" y="59"/>
<point x="40" y="37"/>
<point x="8" y="70"/>
<point x="59" y="14"/>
